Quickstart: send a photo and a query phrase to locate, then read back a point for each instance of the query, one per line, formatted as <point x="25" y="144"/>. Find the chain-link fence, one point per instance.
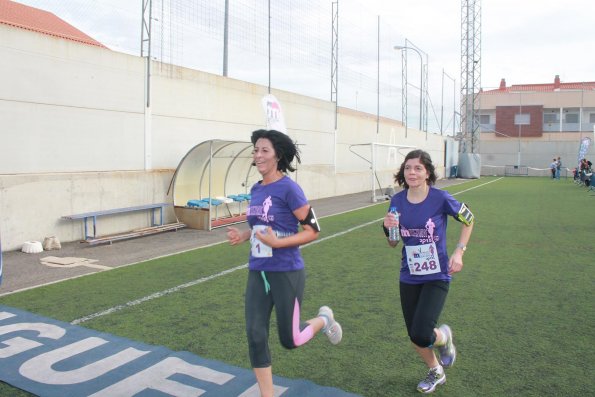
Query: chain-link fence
<point x="283" y="44"/>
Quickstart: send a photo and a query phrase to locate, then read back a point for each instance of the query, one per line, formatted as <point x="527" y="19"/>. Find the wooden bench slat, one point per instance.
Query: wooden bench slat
<point x="136" y="233"/>
<point x="116" y="210"/>
<point x="93" y="215"/>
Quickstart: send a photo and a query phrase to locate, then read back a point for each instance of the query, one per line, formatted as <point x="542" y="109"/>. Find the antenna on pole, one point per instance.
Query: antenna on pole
<point x="470" y="75"/>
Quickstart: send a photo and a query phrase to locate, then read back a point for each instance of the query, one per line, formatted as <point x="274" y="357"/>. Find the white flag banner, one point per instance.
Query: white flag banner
<point x="583" y="149"/>
<point x="273" y="113"/>
<point x="0" y="259"/>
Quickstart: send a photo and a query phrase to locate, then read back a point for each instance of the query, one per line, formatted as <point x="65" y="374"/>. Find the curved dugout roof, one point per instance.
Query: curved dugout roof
<point x="214" y="168"/>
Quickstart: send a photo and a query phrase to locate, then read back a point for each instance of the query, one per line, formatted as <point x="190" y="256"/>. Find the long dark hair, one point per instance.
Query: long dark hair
<point x="285" y="149"/>
<point x="425" y="159"/>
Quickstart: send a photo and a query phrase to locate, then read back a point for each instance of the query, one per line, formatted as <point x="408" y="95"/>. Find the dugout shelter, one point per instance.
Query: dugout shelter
<point x="211" y="184"/>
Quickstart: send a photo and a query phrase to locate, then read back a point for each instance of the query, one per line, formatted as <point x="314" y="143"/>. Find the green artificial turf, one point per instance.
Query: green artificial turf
<point x="521" y="310"/>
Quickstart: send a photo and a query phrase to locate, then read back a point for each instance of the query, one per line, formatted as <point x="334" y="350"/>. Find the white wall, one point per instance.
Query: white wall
<point x="74" y="131"/>
<point x="67" y="107"/>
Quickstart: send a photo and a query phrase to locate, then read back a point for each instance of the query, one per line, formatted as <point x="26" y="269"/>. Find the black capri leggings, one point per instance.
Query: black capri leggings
<point x="422" y="305"/>
<point x="285" y="295"/>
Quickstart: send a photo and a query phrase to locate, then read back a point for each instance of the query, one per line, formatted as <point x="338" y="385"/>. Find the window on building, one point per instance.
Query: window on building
<point x="592" y="118"/>
<point x="551" y="118"/>
<point x="522" y="119"/>
<point x="571" y="118"/>
<point x="484" y="119"/>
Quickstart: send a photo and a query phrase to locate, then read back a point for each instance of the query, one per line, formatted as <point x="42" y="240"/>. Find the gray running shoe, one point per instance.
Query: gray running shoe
<point x="433" y="379"/>
<point x="448" y="352"/>
<point x="333" y="330"/>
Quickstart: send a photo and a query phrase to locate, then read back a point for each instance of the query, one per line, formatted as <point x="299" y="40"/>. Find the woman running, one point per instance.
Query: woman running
<point x="276" y="277"/>
<point x="426" y="268"/>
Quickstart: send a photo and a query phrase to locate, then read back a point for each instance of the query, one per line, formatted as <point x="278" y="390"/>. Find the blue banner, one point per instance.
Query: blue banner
<point x="50" y="358"/>
<point x="0" y="258"/>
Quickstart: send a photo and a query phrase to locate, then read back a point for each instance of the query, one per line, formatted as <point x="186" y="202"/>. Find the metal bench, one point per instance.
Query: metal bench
<point x="95" y="214"/>
<point x="215" y="203"/>
<point x="239" y="200"/>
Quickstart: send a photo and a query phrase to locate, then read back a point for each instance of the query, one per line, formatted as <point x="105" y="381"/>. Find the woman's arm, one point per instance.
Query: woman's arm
<point x="455" y="263"/>
<point x="236" y="236"/>
<point x="306" y="235"/>
<point x="390" y="221"/>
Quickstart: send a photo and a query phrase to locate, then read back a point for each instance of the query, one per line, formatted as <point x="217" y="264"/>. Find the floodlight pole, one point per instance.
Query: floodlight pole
<point x="269" y="40"/>
<point x="226" y="38"/>
<point x="520" y="126"/>
<point x="146" y="42"/>
<point x="421" y="80"/>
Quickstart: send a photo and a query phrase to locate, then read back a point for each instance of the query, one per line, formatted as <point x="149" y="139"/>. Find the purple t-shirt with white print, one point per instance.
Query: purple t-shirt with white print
<point x="273" y="205"/>
<point x="423" y="233"/>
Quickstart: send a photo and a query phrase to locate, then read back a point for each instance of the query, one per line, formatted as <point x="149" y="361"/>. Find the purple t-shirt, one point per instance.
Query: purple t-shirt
<point x="423" y="227"/>
<point x="273" y="205"/>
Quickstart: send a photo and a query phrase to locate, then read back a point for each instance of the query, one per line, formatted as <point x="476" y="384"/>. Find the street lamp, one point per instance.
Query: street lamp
<point x="421" y="79"/>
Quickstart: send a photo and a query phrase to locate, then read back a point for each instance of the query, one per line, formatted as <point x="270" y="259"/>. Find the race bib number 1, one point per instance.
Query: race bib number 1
<point x="422" y="259"/>
<point x="257" y="247"/>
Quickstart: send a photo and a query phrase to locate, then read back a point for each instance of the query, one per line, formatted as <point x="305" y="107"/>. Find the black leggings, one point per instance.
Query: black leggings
<point x="422" y="305"/>
<point x="286" y="293"/>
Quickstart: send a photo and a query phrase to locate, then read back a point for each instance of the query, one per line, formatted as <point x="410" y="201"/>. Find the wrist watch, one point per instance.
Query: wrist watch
<point x="463" y="247"/>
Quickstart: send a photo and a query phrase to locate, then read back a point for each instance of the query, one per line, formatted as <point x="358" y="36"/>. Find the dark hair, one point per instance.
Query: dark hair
<point x="285" y="149"/>
<point x="425" y="159"/>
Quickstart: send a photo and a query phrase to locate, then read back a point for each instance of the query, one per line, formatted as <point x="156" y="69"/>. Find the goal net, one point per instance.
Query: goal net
<point x="384" y="160"/>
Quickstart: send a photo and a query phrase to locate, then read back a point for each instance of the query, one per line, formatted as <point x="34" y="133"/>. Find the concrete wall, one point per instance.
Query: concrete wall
<point x="67" y="107"/>
<point x="535" y="153"/>
<point x="540" y="142"/>
<point x="76" y="135"/>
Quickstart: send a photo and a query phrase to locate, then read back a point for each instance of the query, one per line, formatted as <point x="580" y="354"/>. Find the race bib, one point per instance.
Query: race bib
<point x="257" y="247"/>
<point x="422" y="259"/>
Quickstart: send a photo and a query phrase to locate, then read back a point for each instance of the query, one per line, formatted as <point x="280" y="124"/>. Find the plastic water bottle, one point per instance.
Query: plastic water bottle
<point x="393" y="232"/>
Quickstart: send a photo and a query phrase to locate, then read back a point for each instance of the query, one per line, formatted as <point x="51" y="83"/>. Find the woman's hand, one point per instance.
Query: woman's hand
<point x="390" y="220"/>
<point x="268" y="237"/>
<point x="455" y="263"/>
<point x="235" y="236"/>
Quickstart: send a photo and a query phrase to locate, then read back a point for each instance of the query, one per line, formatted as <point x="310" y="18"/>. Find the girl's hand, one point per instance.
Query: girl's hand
<point x="269" y="237"/>
<point x="455" y="263"/>
<point x="234" y="236"/>
<point x="390" y="220"/>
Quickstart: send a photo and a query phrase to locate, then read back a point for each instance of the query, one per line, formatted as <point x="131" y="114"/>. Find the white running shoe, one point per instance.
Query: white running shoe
<point x="448" y="352"/>
<point x="333" y="329"/>
<point x="433" y="379"/>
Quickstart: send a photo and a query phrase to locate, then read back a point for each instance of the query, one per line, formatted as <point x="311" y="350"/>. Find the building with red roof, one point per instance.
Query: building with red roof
<point x="551" y="111"/>
<point x="33" y="19"/>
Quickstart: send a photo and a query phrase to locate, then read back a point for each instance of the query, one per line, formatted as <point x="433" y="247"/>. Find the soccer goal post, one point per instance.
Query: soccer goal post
<point x="384" y="160"/>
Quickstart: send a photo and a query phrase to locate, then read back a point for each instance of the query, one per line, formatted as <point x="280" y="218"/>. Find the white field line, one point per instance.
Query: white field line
<point x="198" y="281"/>
<point x="475" y="187"/>
<point x="223" y="273"/>
<point x="171" y="253"/>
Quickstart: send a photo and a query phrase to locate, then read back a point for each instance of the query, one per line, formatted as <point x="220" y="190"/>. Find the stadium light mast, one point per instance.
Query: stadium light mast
<point x="146" y="42"/>
<point x="226" y="38"/>
<point x="335" y="58"/>
<point x="421" y="80"/>
<point x="470" y="74"/>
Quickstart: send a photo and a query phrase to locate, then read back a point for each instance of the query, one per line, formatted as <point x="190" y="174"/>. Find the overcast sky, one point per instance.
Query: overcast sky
<point x="523" y="41"/>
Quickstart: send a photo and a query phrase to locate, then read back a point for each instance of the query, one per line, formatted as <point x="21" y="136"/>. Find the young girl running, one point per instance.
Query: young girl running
<point x="426" y="268"/>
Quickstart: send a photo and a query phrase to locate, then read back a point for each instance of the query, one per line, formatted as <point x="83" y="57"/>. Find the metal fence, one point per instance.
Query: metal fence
<point x="282" y="44"/>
